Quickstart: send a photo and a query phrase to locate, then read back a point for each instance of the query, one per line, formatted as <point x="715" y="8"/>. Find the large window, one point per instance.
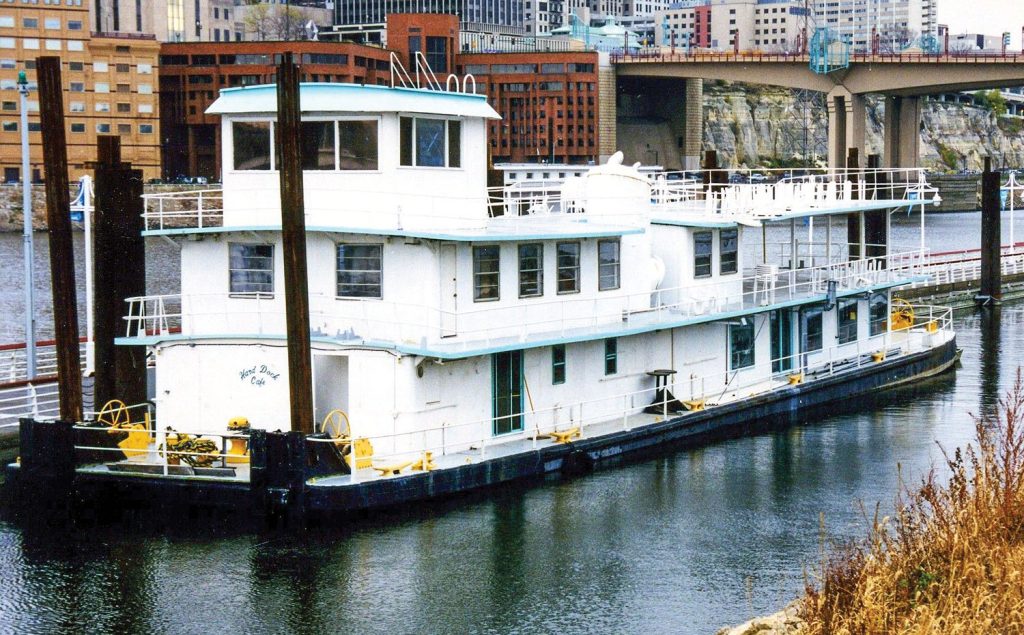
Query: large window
<point x="437" y="54"/>
<point x="431" y="143"/>
<point x="317" y="145"/>
<point x="568" y="267"/>
<point x="813" y="330"/>
<point x="728" y="249"/>
<point x="608" y="265"/>
<point x="701" y="254"/>
<point x="558" y="364"/>
<point x="878" y="314"/>
<point x="847" y="321"/>
<point x="360" y="271"/>
<point x="741" y="345"/>
<point x="251" y="269"/>
<point x="486" y="273"/>
<point x="251" y="141"/>
<point x="611" y="356"/>
<point x="531" y="270"/>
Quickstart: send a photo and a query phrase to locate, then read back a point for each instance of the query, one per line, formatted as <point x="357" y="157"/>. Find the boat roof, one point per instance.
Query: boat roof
<point x="345" y="98"/>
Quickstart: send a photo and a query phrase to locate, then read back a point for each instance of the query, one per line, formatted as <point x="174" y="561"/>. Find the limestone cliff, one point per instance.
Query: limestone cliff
<point x="753" y="126"/>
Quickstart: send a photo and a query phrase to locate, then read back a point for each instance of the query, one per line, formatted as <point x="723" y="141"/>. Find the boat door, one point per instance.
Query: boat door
<point x="507" y="392"/>
<point x="330" y="385"/>
<point x="449" y="292"/>
<point x="782" y="341"/>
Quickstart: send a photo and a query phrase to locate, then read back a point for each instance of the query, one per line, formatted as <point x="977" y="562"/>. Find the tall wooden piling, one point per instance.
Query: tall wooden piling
<point x="293" y="236"/>
<point x="120" y="272"/>
<point x="876" y="226"/>
<point x="58" y="218"/>
<point x="991" y="238"/>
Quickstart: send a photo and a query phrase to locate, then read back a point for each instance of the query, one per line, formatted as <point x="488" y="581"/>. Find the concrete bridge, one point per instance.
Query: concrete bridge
<point x="902" y="79"/>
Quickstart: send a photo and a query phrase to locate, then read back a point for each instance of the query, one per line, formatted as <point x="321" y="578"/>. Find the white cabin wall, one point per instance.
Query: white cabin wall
<point x="201" y="388"/>
<point x="388" y="198"/>
<point x="701" y="351"/>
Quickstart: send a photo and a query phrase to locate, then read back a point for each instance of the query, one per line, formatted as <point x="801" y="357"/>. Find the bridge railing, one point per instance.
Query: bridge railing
<point x="668" y="54"/>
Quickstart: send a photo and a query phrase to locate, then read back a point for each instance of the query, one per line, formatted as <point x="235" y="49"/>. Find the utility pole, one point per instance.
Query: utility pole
<point x="27" y="239"/>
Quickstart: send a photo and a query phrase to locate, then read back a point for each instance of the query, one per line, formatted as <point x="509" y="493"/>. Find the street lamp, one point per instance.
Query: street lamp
<point x="26" y="207"/>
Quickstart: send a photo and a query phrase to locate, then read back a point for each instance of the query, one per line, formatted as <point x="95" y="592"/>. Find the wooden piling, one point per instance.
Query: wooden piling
<point x="120" y="272"/>
<point x="991" y="238"/>
<point x="293" y="236"/>
<point x="876" y="231"/>
<point x="62" y="256"/>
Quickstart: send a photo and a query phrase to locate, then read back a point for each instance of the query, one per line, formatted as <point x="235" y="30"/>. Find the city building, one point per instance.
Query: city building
<point x="110" y="83"/>
<point x="884" y="25"/>
<point x="776" y="26"/>
<point x="506" y="16"/>
<point x="192" y="75"/>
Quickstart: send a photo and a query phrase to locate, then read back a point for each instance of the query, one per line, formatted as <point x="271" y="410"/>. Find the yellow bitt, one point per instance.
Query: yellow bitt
<point x="238" y="449"/>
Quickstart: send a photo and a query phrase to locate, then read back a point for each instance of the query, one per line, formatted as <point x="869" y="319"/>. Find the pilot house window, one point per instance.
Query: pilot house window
<point x="701" y="254"/>
<point x="251" y="269"/>
<point x="431" y="143"/>
<point x="339" y="145"/>
<point x="486" y="273"/>
<point x="728" y="261"/>
<point x="251" y="145"/>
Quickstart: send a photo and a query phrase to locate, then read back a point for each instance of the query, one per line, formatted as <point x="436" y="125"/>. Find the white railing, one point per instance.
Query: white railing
<point x="963" y="266"/>
<point x="193" y="209"/>
<point x="14" y="365"/>
<point x="37" y="400"/>
<point x="483" y="324"/>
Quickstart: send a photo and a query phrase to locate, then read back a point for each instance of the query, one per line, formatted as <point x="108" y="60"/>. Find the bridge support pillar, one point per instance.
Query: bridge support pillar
<point x="693" y="137"/>
<point x="902" y="131"/>
<point x="846" y="122"/>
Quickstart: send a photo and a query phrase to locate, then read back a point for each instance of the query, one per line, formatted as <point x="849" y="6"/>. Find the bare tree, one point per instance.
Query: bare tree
<point x="894" y="39"/>
<point x="280" y="22"/>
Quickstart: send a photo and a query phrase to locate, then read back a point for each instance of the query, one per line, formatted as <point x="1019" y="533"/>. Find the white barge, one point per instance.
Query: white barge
<point x="464" y="336"/>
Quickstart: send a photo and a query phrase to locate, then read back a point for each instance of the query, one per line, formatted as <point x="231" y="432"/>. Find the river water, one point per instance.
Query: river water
<point x="684" y="543"/>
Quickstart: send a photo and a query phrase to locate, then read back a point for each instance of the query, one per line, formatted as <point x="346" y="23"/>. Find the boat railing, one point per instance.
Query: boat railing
<point x="618" y="410"/>
<point x="191" y="209"/>
<point x="363" y="320"/>
<point x="14" y="363"/>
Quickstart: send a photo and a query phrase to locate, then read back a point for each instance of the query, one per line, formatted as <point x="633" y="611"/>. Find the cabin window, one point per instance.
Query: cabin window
<point x="611" y="356"/>
<point x="531" y="270"/>
<point x="430" y="143"/>
<point x="847" y="321"/>
<point x="878" y="314"/>
<point x="558" y="364"/>
<point x="486" y="273"/>
<point x="728" y="251"/>
<point x="568" y="267"/>
<point x="702" y="254"/>
<point x="813" y="330"/>
<point x="317" y="145"/>
<point x="357" y="145"/>
<point x="608" y="265"/>
<point x="251" y="140"/>
<point x="251" y="269"/>
<point x="741" y="345"/>
<point x="360" y="271"/>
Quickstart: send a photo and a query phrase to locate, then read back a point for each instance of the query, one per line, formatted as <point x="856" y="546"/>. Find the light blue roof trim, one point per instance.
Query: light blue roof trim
<point x="517" y="344"/>
<point x="576" y="230"/>
<point x="348" y="98"/>
<point x="866" y="206"/>
<point x="694" y="223"/>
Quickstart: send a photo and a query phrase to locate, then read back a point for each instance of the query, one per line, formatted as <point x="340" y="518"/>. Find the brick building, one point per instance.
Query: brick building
<point x="192" y="74"/>
<point x="109" y="87"/>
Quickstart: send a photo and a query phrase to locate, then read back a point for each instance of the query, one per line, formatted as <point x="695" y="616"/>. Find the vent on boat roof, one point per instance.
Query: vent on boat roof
<point x="425" y="77"/>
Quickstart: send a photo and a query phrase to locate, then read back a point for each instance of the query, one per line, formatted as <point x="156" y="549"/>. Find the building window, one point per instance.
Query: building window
<point x="360" y="271"/>
<point x="144" y="69"/>
<point x="558" y="364"/>
<point x="486" y="273"/>
<point x="10" y="105"/>
<point x="124" y="107"/>
<point x="611" y="356"/>
<point x="145" y="128"/>
<point x="847" y="321"/>
<point x="251" y="269"/>
<point x="251" y="143"/>
<point x="702" y="254"/>
<point x="432" y="143"/>
<point x="103" y="128"/>
<point x="78" y="127"/>
<point x="813" y="330"/>
<point x="568" y="265"/>
<point x="608" y="265"/>
<point x="531" y="270"/>
<point x="102" y="106"/>
<point x="728" y="251"/>
<point x="10" y="126"/>
<point x="52" y="23"/>
<point x="878" y="314"/>
<point x="124" y="128"/>
<point x="101" y="87"/>
<point x="437" y="54"/>
<point x="741" y="345"/>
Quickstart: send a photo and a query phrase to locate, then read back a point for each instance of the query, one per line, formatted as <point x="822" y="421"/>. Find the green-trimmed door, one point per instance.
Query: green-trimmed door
<point x="507" y="392"/>
<point x="782" y="341"/>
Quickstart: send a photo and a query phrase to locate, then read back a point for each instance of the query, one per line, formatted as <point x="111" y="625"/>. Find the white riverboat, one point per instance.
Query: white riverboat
<point x="455" y="325"/>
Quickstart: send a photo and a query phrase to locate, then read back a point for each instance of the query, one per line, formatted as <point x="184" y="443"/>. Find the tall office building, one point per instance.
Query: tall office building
<point x="109" y="81"/>
<point x="499" y="15"/>
<point x="894" y="24"/>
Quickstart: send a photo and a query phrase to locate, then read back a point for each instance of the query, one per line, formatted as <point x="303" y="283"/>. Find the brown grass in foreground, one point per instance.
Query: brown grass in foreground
<point x="951" y="560"/>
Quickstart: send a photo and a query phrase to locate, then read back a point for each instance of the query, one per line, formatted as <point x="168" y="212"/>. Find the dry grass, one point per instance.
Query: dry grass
<point x="950" y="560"/>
